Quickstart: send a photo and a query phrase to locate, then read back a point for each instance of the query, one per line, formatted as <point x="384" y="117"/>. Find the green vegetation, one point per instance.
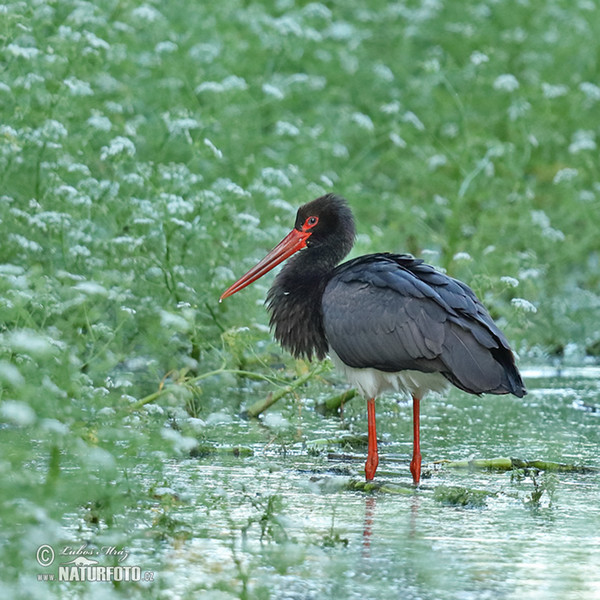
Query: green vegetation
<point x="151" y="153"/>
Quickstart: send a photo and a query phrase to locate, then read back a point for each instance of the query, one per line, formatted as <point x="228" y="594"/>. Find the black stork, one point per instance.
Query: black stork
<point x="388" y="321"/>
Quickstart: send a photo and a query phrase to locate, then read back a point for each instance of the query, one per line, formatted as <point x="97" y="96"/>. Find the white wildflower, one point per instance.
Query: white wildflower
<point x="17" y="412"/>
<point x="272" y="90"/>
<point x="27" y="341"/>
<point x="22" y="52"/>
<point x="114" y="107"/>
<point x="128" y="241"/>
<point x="551" y="91"/>
<point x="397" y="140"/>
<point x="587" y="196"/>
<point x="282" y="205"/>
<point x="233" y="82"/>
<point x="541" y="219"/>
<point x="172" y="321"/>
<point x="209" y="86"/>
<point x="176" y="204"/>
<point x="165" y="47"/>
<point x="91" y="288"/>
<point x="449" y="130"/>
<point x="392" y="108"/>
<point x="435" y="161"/>
<point x="53" y="130"/>
<point x="95" y="42"/>
<point x="26" y="244"/>
<point x="286" y="25"/>
<point x="275" y="177"/>
<point x="224" y="184"/>
<point x="100" y="122"/>
<point x="132" y="125"/>
<point x="11" y="270"/>
<point x="28" y="81"/>
<point x="205" y="52"/>
<point x="218" y="154"/>
<point x="566" y="174"/>
<point x="118" y="146"/>
<point x="283" y="128"/>
<point x="180" y="125"/>
<point x="134" y="179"/>
<point x="591" y="90"/>
<point x="107" y="83"/>
<point x="509" y="281"/>
<point x="523" y="305"/>
<point x="84" y="13"/>
<point x="462" y="256"/>
<point x="66" y="33"/>
<point x="530" y="273"/>
<point x="518" y="109"/>
<point x="10" y="374"/>
<point x="146" y="13"/>
<point x="341" y="30"/>
<point x="410" y="117"/>
<point x="383" y="72"/>
<point x="182" y="444"/>
<point x="275" y="421"/>
<point x="339" y="150"/>
<point x="582" y="140"/>
<point x="506" y="83"/>
<point x="73" y="196"/>
<point x="432" y="65"/>
<point x="316" y="10"/>
<point x="479" y="58"/>
<point x="311" y="82"/>
<point x="79" y="251"/>
<point x="79" y="168"/>
<point x="247" y="221"/>
<point x="78" y="87"/>
<point x="180" y="223"/>
<point x="55" y="426"/>
<point x="363" y="121"/>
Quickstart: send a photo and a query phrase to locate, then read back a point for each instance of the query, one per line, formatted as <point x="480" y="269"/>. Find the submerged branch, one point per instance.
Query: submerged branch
<point x="507" y="464"/>
<point x="261" y="405"/>
<point x="332" y="404"/>
<point x="163" y="389"/>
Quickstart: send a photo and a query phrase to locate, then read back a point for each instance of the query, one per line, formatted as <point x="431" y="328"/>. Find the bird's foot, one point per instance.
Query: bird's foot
<point x="371" y="466"/>
<point x="415" y="468"/>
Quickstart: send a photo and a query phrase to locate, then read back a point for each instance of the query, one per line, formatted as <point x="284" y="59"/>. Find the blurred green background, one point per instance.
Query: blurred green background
<point x="151" y="152"/>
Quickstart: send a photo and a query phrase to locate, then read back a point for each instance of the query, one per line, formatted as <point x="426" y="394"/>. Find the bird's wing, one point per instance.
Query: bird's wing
<point x="393" y="312"/>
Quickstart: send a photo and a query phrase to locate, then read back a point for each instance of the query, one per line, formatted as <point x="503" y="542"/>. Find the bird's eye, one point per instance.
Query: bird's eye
<point x="310" y="222"/>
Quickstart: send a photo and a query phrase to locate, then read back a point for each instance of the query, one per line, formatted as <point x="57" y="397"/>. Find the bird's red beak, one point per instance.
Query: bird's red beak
<point x="295" y="240"/>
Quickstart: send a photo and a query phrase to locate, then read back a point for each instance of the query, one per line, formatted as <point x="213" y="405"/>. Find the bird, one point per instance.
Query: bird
<point x="389" y="322"/>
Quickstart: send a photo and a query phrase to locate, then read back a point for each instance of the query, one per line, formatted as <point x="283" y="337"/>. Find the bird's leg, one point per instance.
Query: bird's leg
<point x="415" y="463"/>
<point x="372" y="456"/>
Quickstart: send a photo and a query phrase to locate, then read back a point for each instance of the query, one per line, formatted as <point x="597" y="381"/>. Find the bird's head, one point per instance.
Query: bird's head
<point x="324" y="226"/>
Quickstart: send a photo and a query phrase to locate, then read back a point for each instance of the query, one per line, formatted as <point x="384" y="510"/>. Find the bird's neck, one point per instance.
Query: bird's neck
<point x="294" y="302"/>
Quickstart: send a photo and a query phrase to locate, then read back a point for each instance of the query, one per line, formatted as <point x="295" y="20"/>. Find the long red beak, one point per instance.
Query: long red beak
<point x="295" y="240"/>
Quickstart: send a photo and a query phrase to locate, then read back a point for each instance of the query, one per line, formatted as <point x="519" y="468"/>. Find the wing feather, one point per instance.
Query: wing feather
<point x="393" y="312"/>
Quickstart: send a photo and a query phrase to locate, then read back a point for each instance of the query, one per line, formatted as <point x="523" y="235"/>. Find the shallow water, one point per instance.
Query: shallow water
<point x="265" y="512"/>
<point x="326" y="542"/>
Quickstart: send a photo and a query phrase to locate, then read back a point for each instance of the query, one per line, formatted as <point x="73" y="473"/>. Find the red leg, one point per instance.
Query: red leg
<point x="415" y="463"/>
<point x="372" y="456"/>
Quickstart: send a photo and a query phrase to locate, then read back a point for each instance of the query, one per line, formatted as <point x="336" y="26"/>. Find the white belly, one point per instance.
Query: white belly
<point x="371" y="382"/>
